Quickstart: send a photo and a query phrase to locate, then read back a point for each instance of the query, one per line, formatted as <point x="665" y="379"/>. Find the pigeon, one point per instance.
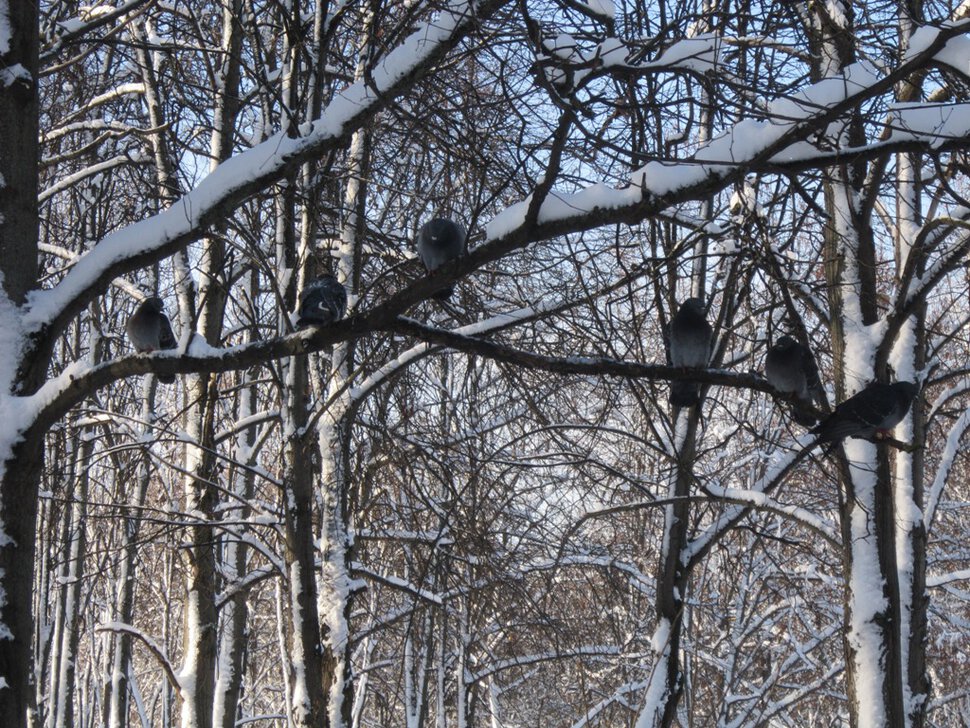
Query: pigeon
<point x="323" y="302"/>
<point x="150" y="330"/>
<point x="690" y="346"/>
<point x="790" y="368"/>
<point x="440" y="240"/>
<point x="872" y="412"/>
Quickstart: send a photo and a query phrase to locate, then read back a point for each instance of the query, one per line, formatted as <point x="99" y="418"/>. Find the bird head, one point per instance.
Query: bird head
<point x="907" y="389"/>
<point x="694" y="304"/>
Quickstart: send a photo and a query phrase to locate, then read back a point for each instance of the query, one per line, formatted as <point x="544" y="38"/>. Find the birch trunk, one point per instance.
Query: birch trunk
<point x="908" y="359"/>
<point x="77" y="546"/>
<point x="872" y="605"/>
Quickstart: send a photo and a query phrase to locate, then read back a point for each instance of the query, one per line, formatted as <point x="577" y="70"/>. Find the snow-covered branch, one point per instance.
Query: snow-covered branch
<point x="233" y="181"/>
<point x="153" y="647"/>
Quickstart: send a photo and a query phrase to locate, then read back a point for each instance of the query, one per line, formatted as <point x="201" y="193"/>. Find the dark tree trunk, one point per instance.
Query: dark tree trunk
<point x="18" y="263"/>
<point x="18" y="507"/>
<point x="18" y="162"/>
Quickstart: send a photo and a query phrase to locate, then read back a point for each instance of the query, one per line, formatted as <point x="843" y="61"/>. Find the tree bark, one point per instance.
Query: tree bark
<point x="18" y="263"/>
<point x="872" y="641"/>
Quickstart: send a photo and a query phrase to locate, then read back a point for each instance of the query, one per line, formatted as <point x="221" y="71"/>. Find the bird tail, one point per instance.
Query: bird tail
<point x="801" y="417"/>
<point x="833" y="431"/>
<point x="684" y="394"/>
<point x="443" y="294"/>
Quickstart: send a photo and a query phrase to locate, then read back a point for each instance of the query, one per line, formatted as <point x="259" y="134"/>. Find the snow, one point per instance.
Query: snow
<point x="956" y="53"/>
<point x="933" y="124"/>
<point x="5" y="32"/>
<point x="300" y="698"/>
<point x="70" y="180"/>
<point x="947" y="459"/>
<point x="611" y="52"/>
<point x="943" y="579"/>
<point x="5" y="633"/>
<point x="12" y="74"/>
<point x="656" y="692"/>
<point x="758" y="499"/>
<point x="496" y="321"/>
<point x="606" y="8"/>
<point x="867" y="601"/>
<point x="737" y="146"/>
<point x="750" y="137"/>
<point x="700" y="53"/>
<point x="188" y="675"/>
<point x="618" y="695"/>
<point x="198" y="346"/>
<point x="185" y="218"/>
<point x="925" y="35"/>
<point x="661" y="636"/>
<point x="563" y="46"/>
<point x="71" y="25"/>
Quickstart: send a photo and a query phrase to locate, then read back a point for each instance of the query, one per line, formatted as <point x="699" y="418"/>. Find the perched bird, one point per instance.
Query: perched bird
<point x="440" y="240"/>
<point x="323" y="302"/>
<point x="872" y="412"/>
<point x="690" y="346"/>
<point x="150" y="330"/>
<point x="790" y="368"/>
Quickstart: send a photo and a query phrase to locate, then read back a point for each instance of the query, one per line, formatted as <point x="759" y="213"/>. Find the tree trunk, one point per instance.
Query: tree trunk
<point x="909" y="358"/>
<point x="18" y="504"/>
<point x="76" y="548"/>
<point x="666" y="684"/>
<point x="18" y="263"/>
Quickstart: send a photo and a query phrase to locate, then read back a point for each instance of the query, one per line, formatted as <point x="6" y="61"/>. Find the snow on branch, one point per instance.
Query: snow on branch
<point x="699" y="546"/>
<point x="943" y="579"/>
<point x="749" y="143"/>
<point x="526" y="660"/>
<point x="947" y="458"/>
<point x="617" y="696"/>
<point x="83" y="174"/>
<point x="233" y="181"/>
<point x="151" y="644"/>
<point x="637" y="579"/>
<point x="400" y="584"/>
<point x="124" y="89"/>
<point x="759" y="500"/>
<point x="493" y="323"/>
<point x="74" y="29"/>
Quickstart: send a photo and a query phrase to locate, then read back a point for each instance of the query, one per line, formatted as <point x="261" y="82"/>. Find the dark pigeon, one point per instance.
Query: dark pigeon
<point x="150" y="330"/>
<point x="440" y="240"/>
<point x="790" y="368"/>
<point x="690" y="347"/>
<point x="323" y="302"/>
<point x="870" y="413"/>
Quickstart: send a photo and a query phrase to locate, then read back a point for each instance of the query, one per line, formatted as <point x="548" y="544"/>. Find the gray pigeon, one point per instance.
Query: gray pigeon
<point x="440" y="240"/>
<point x="150" y="330"/>
<point x="323" y="302"/>
<point x="790" y="368"/>
<point x="690" y="346"/>
<point x="869" y="413"/>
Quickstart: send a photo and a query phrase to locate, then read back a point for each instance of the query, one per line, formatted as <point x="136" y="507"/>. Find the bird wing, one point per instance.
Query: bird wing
<point x="166" y="337"/>
<point x="869" y="407"/>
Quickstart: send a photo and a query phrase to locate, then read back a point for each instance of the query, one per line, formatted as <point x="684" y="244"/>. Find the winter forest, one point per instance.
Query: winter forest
<point x="685" y="446"/>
